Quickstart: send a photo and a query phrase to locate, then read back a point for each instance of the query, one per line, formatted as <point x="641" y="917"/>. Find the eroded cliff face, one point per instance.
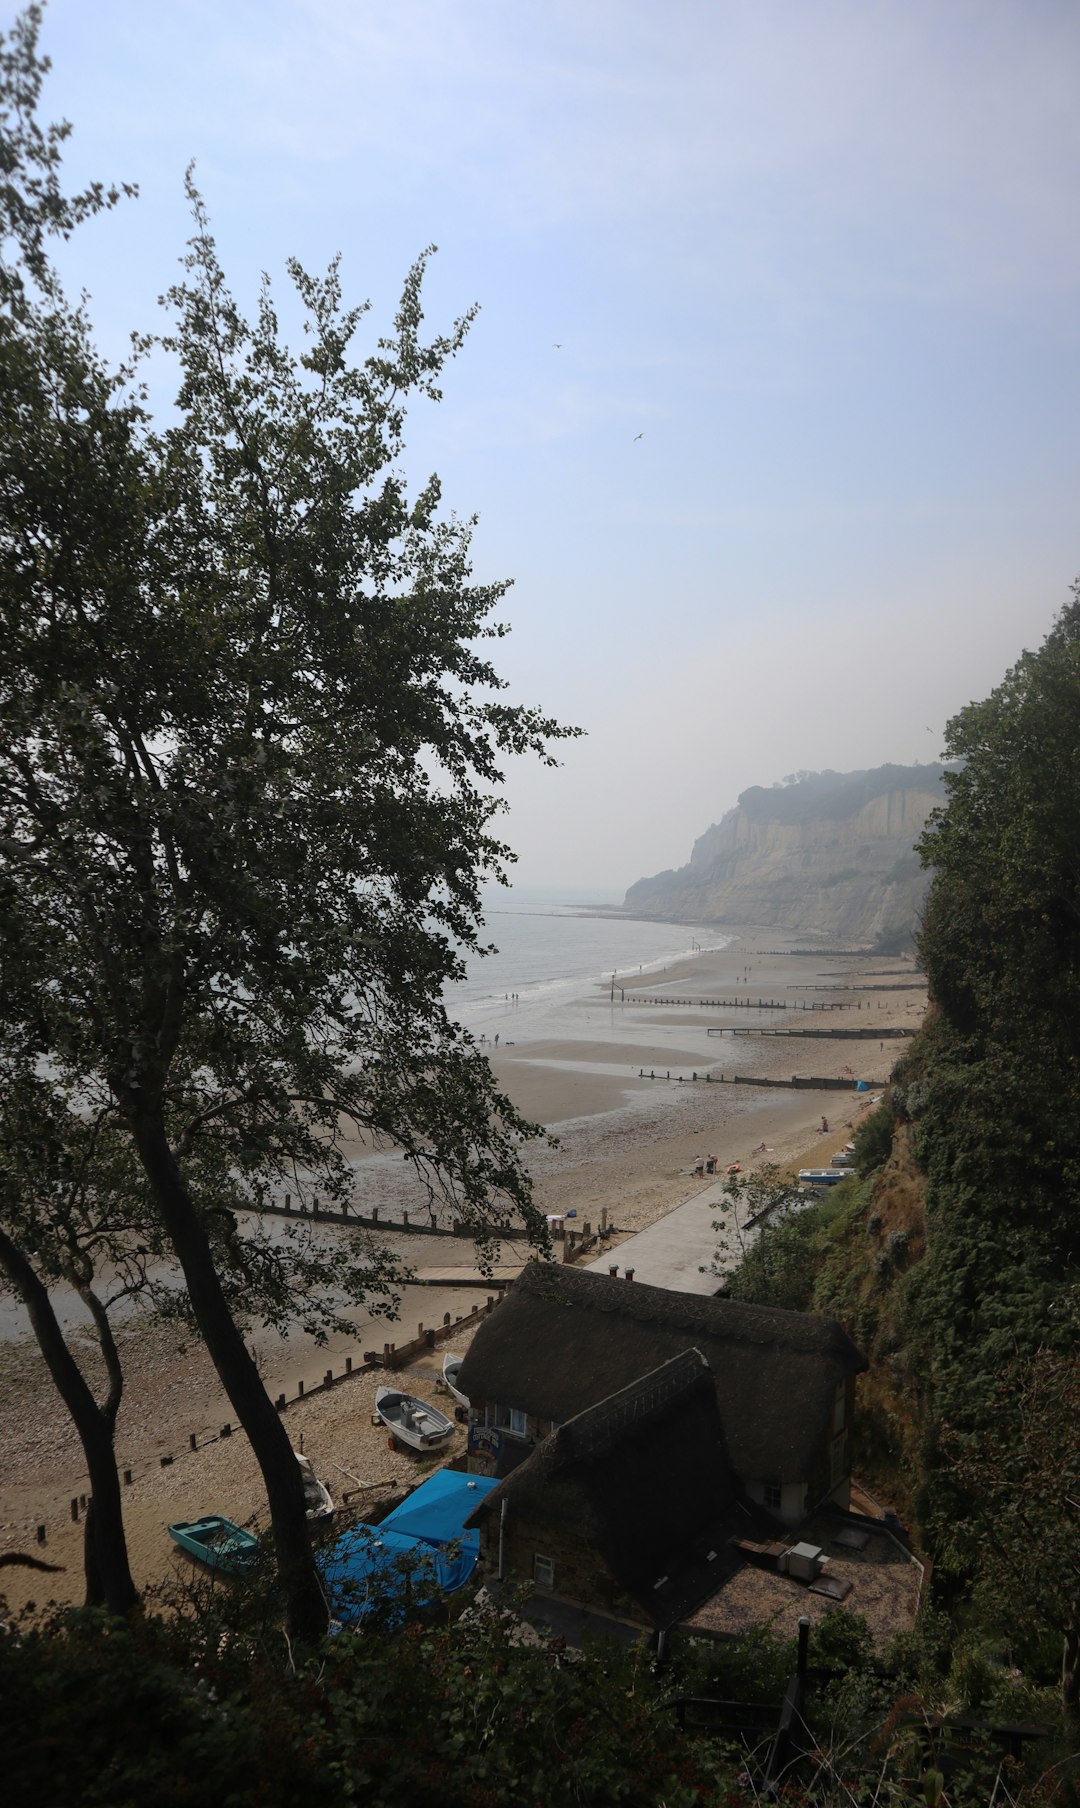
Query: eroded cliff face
<point x="837" y="862"/>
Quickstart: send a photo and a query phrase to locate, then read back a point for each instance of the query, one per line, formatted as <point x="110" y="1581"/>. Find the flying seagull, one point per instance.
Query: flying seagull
<point x="637" y="436"/>
<point x="557" y="346"/>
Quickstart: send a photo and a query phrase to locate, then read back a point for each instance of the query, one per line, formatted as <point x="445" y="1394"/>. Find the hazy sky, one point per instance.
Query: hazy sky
<point x="823" y="256"/>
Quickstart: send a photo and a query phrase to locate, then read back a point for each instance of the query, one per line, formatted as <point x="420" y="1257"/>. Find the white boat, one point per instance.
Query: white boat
<point x="316" y="1495"/>
<point x="823" y="1177"/>
<point x="451" y="1369"/>
<point x="412" y="1421"/>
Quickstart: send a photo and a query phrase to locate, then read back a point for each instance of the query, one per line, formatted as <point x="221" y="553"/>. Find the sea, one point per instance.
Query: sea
<point x="545" y="955"/>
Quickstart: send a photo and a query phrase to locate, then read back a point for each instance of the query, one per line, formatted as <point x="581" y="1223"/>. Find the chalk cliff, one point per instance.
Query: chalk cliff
<point x="830" y="854"/>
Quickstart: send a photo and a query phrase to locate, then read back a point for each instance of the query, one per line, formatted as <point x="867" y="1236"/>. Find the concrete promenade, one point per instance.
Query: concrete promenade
<point x="672" y="1252"/>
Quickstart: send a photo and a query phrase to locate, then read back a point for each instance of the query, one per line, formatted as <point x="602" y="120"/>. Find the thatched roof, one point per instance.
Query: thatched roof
<point x="645" y="1479"/>
<point x="562" y="1341"/>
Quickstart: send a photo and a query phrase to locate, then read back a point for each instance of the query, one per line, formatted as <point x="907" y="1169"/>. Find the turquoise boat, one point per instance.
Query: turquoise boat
<point x="216" y="1542"/>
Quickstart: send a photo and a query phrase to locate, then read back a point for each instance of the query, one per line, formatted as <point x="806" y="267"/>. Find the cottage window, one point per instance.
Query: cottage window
<point x="507" y="1418"/>
<point x="772" y="1493"/>
<point x="543" y="1571"/>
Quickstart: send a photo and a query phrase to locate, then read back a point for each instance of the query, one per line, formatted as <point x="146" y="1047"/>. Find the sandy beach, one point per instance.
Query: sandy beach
<point x="626" y="1143"/>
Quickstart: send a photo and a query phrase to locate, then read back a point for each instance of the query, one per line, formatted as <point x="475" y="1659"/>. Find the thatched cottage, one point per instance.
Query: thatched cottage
<point x="631" y="1509"/>
<point x="563" y="1342"/>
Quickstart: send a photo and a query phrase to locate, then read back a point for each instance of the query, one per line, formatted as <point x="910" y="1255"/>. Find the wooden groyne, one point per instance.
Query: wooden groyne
<point x="797" y="1082"/>
<point x="408" y="1225"/>
<point x="738" y="1004"/>
<point x="879" y="1033"/>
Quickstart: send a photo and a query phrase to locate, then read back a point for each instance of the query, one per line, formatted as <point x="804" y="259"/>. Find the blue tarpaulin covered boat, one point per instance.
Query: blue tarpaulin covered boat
<point x="419" y="1551"/>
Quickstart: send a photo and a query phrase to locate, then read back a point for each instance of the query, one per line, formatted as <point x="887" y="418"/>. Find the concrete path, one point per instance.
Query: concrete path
<point x="672" y="1252"/>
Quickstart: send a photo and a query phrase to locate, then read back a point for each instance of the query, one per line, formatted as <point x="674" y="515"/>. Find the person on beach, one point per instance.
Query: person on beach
<point x="710" y="1164"/>
<point x="824" y="1126"/>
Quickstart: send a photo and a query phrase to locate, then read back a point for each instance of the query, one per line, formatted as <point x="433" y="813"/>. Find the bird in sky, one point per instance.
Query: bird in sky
<point x="636" y="437"/>
<point x="557" y="346"/>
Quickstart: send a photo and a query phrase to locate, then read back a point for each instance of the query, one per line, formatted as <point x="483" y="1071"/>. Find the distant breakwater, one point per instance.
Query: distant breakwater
<point x="797" y="1082"/>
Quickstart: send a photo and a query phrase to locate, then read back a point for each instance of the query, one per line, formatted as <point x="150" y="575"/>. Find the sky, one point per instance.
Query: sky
<point x="771" y="407"/>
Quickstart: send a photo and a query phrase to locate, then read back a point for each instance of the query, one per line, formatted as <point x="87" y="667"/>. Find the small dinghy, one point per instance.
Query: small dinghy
<point x="451" y="1369"/>
<point x="412" y="1421"/>
<point x="317" y="1499"/>
<point x="217" y="1542"/>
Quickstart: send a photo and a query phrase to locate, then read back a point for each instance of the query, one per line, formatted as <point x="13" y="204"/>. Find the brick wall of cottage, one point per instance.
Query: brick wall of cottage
<point x="580" y="1574"/>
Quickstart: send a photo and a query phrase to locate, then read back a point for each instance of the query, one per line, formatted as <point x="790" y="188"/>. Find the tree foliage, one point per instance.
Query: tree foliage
<point x="767" y="1238"/>
<point x="250" y="744"/>
<point x="1023" y="1470"/>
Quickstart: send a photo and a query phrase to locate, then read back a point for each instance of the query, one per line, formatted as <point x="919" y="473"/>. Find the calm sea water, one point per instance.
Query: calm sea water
<point x="549" y="954"/>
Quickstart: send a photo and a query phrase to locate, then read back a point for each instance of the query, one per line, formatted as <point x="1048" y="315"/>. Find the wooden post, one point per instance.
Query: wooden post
<point x="193" y="1442"/>
<point x="328" y="1378"/>
<point x="41" y="1534"/>
<point x="75" y="1510"/>
<point x="299" y="1390"/>
<point x="348" y="1365"/>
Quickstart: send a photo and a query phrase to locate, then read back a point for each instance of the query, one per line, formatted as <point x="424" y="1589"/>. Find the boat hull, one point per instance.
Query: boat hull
<point x="411" y="1421"/>
<point x="450" y="1370"/>
<point x="217" y="1542"/>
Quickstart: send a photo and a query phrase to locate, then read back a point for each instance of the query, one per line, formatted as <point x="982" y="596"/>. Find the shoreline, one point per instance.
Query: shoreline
<point x="625" y="1144"/>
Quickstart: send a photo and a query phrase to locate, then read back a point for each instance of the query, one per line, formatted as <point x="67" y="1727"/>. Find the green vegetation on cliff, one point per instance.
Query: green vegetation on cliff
<point x="952" y="1257"/>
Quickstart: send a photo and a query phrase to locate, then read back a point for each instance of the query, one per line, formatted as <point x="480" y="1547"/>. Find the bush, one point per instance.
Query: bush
<point x="873" y="1138"/>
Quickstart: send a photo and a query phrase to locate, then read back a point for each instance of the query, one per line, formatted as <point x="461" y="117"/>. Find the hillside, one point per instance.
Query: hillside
<point x="830" y="853"/>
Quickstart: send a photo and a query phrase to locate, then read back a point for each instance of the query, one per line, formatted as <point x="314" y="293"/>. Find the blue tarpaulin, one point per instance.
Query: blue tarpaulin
<point x="420" y="1549"/>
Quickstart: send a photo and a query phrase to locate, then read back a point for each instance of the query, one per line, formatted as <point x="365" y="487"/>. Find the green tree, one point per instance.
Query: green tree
<point x="1022" y="1474"/>
<point x="69" y="1205"/>
<point x="766" y="1240"/>
<point x="249" y="751"/>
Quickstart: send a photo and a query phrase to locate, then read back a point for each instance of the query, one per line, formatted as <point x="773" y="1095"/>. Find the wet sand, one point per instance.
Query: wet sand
<point x="626" y="1143"/>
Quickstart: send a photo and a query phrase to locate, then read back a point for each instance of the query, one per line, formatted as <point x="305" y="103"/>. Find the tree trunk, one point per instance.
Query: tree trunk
<point x="95" y="1592"/>
<point x="306" y="1610"/>
<point x="108" y="1572"/>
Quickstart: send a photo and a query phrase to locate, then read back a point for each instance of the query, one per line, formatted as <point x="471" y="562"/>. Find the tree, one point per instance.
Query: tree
<point x="68" y="1204"/>
<point x="766" y="1240"/>
<point x="250" y="746"/>
<point x="1022" y="1474"/>
<point x="1001" y="935"/>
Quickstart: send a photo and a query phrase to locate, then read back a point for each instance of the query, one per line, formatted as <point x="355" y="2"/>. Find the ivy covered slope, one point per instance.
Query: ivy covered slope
<point x="951" y="1256"/>
<point x="991" y="1088"/>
